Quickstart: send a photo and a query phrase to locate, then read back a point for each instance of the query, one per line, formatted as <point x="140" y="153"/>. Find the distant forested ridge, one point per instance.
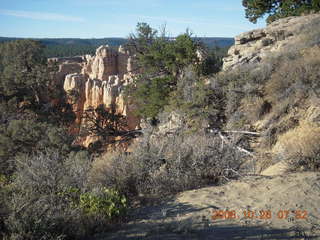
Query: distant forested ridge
<point x="67" y="47"/>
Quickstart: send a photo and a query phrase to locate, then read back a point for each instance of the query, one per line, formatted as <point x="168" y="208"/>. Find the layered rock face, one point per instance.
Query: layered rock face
<point x="97" y="80"/>
<point x="254" y="46"/>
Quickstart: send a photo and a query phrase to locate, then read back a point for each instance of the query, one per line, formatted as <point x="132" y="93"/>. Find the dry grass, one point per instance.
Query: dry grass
<point x="300" y="147"/>
<point x="295" y="78"/>
<point x="117" y="170"/>
<point x="255" y="107"/>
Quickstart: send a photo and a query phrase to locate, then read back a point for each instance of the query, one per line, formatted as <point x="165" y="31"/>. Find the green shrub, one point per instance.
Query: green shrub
<point x="106" y="202"/>
<point x="24" y="136"/>
<point x="151" y="95"/>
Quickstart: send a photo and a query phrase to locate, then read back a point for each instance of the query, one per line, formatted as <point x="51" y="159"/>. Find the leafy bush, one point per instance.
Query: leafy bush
<point x="106" y="202"/>
<point x="200" y="102"/>
<point x="29" y="121"/>
<point x="213" y="61"/>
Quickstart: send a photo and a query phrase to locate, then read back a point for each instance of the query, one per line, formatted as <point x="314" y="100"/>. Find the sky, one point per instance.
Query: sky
<point x="118" y="18"/>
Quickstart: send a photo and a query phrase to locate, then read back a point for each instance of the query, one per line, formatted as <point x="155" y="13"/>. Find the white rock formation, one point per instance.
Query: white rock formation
<point x="74" y="81"/>
<point x="97" y="80"/>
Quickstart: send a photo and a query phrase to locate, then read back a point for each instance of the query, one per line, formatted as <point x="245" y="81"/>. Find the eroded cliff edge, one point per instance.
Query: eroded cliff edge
<point x="282" y="35"/>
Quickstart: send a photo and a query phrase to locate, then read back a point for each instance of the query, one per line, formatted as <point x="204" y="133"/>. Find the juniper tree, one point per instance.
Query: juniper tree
<point x="276" y="9"/>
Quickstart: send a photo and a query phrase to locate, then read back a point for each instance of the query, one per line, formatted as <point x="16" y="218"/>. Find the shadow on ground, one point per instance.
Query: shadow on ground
<point x="227" y="232"/>
<point x="162" y="221"/>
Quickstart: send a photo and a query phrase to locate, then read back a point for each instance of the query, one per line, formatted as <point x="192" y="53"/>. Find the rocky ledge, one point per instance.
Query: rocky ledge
<point x="254" y="46"/>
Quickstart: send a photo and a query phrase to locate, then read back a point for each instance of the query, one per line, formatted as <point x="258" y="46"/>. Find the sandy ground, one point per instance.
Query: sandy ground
<point x="281" y="207"/>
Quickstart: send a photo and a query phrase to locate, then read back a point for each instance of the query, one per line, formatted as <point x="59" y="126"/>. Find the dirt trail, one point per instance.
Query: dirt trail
<point x="189" y="214"/>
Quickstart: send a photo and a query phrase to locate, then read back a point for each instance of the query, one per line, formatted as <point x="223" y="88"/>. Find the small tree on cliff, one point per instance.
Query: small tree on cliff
<point x="278" y="8"/>
<point x="144" y="37"/>
<point x="108" y="124"/>
<point x="162" y="60"/>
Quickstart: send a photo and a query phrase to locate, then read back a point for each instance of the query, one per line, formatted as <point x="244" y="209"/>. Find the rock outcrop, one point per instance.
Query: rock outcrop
<point x="254" y="46"/>
<point x="90" y="81"/>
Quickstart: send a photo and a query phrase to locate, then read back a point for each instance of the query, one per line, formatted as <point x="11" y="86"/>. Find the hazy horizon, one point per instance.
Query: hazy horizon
<point x="218" y="37"/>
<point x="111" y="18"/>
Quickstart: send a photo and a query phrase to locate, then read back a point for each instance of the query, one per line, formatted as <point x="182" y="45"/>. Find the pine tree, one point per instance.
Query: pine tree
<point x="276" y="9"/>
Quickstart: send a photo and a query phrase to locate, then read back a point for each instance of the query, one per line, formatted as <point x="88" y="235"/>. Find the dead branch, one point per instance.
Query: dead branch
<point x="232" y="170"/>
<point x="243" y="132"/>
<point x="224" y="139"/>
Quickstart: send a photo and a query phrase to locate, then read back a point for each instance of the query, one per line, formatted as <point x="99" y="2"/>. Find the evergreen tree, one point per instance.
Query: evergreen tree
<point x="276" y="9"/>
<point x="23" y="71"/>
<point x="28" y="121"/>
<point x="162" y="61"/>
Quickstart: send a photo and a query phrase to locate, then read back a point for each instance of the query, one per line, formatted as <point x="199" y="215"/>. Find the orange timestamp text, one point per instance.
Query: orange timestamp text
<point x="260" y="214"/>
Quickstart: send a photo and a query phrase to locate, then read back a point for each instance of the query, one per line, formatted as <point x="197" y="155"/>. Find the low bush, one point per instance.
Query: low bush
<point x="106" y="202"/>
<point x="167" y="165"/>
<point x="310" y="34"/>
<point x="273" y="93"/>
<point x="50" y="199"/>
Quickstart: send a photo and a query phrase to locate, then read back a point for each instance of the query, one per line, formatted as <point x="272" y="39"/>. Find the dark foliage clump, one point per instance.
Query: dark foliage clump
<point x="161" y="61"/>
<point x="276" y="9"/>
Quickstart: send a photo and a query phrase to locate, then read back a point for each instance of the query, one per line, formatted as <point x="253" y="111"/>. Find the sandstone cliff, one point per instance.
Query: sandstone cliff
<point x="90" y="81"/>
<point x="254" y="46"/>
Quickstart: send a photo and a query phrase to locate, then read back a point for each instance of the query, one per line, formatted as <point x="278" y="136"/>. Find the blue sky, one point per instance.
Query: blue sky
<point x="118" y="18"/>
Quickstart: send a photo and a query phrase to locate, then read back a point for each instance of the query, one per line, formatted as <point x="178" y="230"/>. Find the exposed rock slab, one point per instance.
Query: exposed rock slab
<point x="254" y="46"/>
